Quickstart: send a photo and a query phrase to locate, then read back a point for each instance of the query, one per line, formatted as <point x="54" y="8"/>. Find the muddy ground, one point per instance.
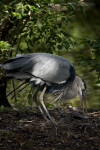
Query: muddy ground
<point x="27" y="130"/>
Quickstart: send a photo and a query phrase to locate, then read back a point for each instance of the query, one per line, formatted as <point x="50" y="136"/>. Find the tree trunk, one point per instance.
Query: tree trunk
<point x="3" y="98"/>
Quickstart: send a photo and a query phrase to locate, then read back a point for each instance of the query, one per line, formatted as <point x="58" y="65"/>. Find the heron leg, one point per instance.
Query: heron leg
<point x="44" y="107"/>
<point x="38" y="106"/>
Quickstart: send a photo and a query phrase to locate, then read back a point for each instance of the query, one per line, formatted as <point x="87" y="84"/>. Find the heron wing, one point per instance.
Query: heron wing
<point x="16" y="63"/>
<point x="48" y="67"/>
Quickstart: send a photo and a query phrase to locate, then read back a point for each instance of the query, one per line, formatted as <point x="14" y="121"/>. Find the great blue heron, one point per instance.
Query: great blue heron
<point x="78" y="87"/>
<point x="48" y="73"/>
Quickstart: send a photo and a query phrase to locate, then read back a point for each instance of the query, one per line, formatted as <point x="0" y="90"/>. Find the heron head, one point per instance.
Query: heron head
<point x="82" y="93"/>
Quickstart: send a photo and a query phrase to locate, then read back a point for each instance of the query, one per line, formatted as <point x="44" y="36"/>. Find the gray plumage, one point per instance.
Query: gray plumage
<point x="40" y="68"/>
<point x="76" y="87"/>
<point x="47" y="72"/>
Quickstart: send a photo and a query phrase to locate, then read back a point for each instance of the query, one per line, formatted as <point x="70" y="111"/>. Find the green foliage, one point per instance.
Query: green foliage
<point x="2" y="108"/>
<point x="41" y="24"/>
<point x="4" y="50"/>
<point x="92" y="57"/>
<point x="4" y="46"/>
<point x="30" y="97"/>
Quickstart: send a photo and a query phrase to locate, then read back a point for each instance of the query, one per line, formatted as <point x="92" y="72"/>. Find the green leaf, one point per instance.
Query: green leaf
<point x="30" y="99"/>
<point x="59" y="47"/>
<point x="82" y="10"/>
<point x="2" y="108"/>
<point x="97" y="82"/>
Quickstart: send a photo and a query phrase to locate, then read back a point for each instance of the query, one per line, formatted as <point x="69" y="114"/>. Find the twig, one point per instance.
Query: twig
<point x="19" y="91"/>
<point x="16" y="89"/>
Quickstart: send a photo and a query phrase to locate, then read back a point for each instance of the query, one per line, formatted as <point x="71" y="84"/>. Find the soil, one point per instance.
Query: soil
<point x="27" y="130"/>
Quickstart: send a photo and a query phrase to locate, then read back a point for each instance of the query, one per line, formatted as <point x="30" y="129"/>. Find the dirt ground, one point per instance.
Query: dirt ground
<point x="27" y="130"/>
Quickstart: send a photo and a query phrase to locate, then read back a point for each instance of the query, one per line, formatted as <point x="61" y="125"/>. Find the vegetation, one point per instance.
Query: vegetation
<point x="60" y="27"/>
<point x="44" y="26"/>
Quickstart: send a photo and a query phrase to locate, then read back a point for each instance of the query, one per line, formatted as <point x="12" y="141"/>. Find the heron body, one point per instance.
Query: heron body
<point x="47" y="72"/>
<point x="41" y="68"/>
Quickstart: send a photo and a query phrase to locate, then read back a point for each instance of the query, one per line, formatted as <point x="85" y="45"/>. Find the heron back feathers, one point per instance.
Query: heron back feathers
<point x="41" y="68"/>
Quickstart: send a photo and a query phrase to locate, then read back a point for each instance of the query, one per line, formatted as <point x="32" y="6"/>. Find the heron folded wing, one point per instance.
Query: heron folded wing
<point x="15" y="63"/>
<point x="48" y="67"/>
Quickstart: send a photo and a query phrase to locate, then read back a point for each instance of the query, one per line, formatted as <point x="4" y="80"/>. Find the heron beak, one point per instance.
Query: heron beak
<point x="82" y="95"/>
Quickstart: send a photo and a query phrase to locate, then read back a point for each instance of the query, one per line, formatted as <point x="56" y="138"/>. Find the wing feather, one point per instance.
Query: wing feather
<point x="48" y="67"/>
